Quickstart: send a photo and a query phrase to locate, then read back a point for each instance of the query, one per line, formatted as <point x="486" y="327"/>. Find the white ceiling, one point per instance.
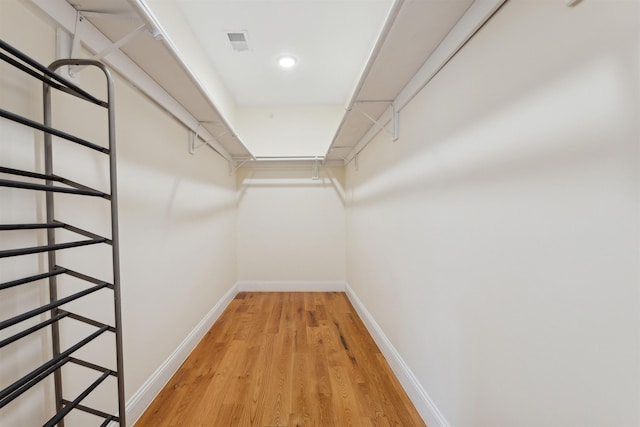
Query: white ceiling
<point x="331" y="39"/>
<point x="350" y="51"/>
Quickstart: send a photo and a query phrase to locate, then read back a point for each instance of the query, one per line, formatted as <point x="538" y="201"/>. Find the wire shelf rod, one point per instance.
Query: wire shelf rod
<point x="90" y="365"/>
<point x="19" y="172"/>
<point x="46" y="248"/>
<point x="79" y="186"/>
<point x="18" y="282"/>
<point x="60" y="415"/>
<point x="10" y="227"/>
<point x="108" y="421"/>
<point x="83" y="232"/>
<point x="53" y="131"/>
<point x="33" y="381"/>
<point x="88" y="321"/>
<point x="57" y="303"/>
<point x="41" y="187"/>
<point x="33" y="329"/>
<point x="6" y="394"/>
<point x="50" y="82"/>
<point x="74" y="90"/>
<point x="56" y="178"/>
<point x="87" y="278"/>
<point x="91" y="411"/>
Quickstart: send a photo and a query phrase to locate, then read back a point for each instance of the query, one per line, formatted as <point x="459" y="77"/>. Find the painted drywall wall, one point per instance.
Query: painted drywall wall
<point x="20" y="148"/>
<point x="290" y="228"/>
<point x="496" y="243"/>
<point x="177" y="226"/>
<point x="288" y="130"/>
<point x="175" y="26"/>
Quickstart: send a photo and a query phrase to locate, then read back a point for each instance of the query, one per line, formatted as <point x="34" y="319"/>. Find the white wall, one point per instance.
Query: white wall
<point x="178" y="232"/>
<point x="290" y="228"/>
<point x="19" y="148"/>
<point x="288" y="130"/>
<point x="179" y="32"/>
<point x="177" y="225"/>
<point x="496" y="243"/>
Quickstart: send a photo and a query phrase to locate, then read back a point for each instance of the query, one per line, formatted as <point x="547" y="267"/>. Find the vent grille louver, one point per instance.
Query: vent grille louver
<point x="239" y="40"/>
<point x="236" y="37"/>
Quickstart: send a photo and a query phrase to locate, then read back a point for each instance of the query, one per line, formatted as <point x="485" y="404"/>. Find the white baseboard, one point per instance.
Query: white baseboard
<point x="421" y="400"/>
<point x="139" y="402"/>
<point x="290" y="286"/>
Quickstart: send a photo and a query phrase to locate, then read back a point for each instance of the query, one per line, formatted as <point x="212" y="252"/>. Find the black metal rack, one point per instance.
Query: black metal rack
<point x="52" y="313"/>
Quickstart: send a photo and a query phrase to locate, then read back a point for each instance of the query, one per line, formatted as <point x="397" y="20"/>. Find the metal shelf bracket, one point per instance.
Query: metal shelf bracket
<point x="315" y="169"/>
<point x="395" y="122"/>
<point x="193" y="140"/>
<point x="194" y="135"/>
<point x="74" y="49"/>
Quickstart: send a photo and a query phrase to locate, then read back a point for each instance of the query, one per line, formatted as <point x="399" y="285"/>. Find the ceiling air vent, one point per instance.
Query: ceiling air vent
<point x="239" y="40"/>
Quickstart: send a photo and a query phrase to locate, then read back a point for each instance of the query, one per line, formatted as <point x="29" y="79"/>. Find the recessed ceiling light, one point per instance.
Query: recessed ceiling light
<point x="287" y="61"/>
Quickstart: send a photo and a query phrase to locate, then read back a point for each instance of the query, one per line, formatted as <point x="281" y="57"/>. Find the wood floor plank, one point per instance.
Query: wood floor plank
<point x="286" y="360"/>
<point x="255" y="400"/>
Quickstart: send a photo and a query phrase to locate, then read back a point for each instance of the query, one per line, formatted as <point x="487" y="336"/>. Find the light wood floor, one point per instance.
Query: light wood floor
<point x="284" y="359"/>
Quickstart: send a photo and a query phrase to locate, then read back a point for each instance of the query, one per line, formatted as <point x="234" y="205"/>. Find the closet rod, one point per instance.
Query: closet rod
<point x="75" y="90"/>
<point x="48" y="129"/>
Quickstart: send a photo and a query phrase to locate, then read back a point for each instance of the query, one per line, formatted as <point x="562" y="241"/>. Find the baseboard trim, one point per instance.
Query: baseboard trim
<point x="290" y="286"/>
<point x="418" y="395"/>
<point x="142" y="398"/>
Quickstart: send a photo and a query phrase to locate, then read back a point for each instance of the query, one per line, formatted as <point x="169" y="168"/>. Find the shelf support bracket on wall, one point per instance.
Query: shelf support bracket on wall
<point x="193" y="140"/>
<point x="238" y="163"/>
<point x="315" y="169"/>
<point x="194" y="135"/>
<point x="75" y="42"/>
<point x="395" y="130"/>
<point x="74" y="49"/>
<point x="118" y="44"/>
